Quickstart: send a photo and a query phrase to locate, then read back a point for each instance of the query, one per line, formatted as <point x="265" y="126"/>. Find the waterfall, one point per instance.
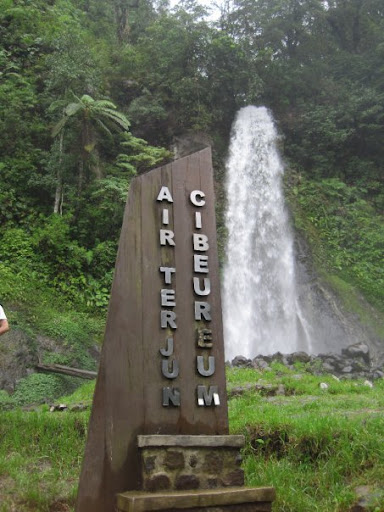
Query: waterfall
<point x="261" y="311"/>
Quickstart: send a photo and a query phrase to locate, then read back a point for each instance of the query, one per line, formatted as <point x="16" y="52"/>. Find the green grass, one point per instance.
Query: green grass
<point x="40" y="456"/>
<point x="314" y="446"/>
<point x="82" y="395"/>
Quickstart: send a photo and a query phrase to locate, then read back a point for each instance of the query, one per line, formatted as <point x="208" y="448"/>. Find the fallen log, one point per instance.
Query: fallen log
<point x="66" y="370"/>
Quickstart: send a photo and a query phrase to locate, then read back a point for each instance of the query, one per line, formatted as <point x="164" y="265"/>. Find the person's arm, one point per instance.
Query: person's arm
<point x="4" y="326"/>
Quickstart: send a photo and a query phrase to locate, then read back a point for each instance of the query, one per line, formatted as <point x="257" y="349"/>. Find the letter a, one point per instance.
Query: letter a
<point x="165" y="195"/>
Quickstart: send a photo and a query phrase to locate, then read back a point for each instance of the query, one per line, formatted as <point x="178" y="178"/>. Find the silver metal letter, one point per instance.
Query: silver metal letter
<point x="165" y="217"/>
<point x="170" y="374"/>
<point x="168" y="271"/>
<point x="200" y="242"/>
<point x="205" y="397"/>
<point x="167" y="318"/>
<point x="202" y="309"/>
<point x="165" y="195"/>
<point x="166" y="237"/>
<point x="171" y="395"/>
<point x="200" y="263"/>
<point x="201" y="367"/>
<point x="194" y="198"/>
<point x="197" y="288"/>
<point x="168" y="298"/>
<point x="198" y="223"/>
<point x="166" y="352"/>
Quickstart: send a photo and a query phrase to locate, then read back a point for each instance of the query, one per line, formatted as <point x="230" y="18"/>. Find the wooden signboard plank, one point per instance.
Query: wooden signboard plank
<point x="216" y="326"/>
<point x="162" y="363"/>
<point x="184" y="181"/>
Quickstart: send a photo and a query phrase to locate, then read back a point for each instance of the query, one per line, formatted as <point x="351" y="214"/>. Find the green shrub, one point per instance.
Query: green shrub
<point x="345" y="232"/>
<point x="41" y="388"/>
<point x="17" y="248"/>
<point x="6" y="401"/>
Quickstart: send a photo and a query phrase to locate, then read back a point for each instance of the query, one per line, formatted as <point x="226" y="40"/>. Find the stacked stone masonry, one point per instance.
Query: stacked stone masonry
<point x="197" y="466"/>
<point x="193" y="474"/>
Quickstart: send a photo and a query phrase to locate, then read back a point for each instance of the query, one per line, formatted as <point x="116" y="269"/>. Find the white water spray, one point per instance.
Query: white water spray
<point x="260" y="307"/>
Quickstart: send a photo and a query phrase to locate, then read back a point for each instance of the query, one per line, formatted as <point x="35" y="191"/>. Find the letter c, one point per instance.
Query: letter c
<point x="197" y="198"/>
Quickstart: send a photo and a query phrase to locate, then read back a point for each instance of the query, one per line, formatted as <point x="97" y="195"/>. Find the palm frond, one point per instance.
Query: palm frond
<point x="58" y="126"/>
<point x="105" y="104"/>
<point x="55" y="105"/>
<point x="72" y="109"/>
<point x="104" y="127"/>
<point x="117" y="118"/>
<point x="87" y="100"/>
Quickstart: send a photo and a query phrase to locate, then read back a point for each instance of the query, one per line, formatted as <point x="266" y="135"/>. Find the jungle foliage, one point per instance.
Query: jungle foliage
<point x="92" y="92"/>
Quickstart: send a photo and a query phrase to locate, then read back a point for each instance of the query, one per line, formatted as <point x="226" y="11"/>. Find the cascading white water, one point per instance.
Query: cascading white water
<point x="261" y="313"/>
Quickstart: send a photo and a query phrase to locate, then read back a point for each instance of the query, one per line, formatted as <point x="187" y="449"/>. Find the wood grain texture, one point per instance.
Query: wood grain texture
<point x="128" y="394"/>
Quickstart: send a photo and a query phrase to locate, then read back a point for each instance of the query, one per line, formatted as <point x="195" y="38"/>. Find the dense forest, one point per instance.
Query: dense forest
<point x="94" y="92"/>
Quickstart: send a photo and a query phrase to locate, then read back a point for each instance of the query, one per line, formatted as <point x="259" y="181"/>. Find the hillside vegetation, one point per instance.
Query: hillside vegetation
<point x="93" y="92"/>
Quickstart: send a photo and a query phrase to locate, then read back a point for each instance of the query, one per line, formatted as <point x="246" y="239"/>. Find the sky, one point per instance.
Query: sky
<point x="206" y="3"/>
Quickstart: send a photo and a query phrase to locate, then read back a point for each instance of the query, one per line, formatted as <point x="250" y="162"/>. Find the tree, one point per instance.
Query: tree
<point x="88" y="118"/>
<point x="139" y="156"/>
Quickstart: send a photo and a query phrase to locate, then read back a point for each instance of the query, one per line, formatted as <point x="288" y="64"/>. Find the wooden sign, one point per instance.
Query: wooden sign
<point x="162" y="363"/>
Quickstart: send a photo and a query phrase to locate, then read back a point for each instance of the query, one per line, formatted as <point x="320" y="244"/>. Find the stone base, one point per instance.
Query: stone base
<point x="190" y="462"/>
<point x="193" y="474"/>
<point x="233" y="499"/>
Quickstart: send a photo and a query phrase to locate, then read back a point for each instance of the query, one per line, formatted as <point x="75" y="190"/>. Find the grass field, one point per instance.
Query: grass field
<point x="316" y="446"/>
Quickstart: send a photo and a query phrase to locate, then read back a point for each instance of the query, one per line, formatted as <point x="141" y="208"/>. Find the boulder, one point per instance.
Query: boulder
<point x="241" y="362"/>
<point x="259" y="363"/>
<point x="16" y="357"/>
<point x="298" y="357"/>
<point x="353" y="362"/>
<point x="358" y="350"/>
<point x="366" y="498"/>
<point x="328" y="368"/>
<point x="278" y="357"/>
<point x="336" y="361"/>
